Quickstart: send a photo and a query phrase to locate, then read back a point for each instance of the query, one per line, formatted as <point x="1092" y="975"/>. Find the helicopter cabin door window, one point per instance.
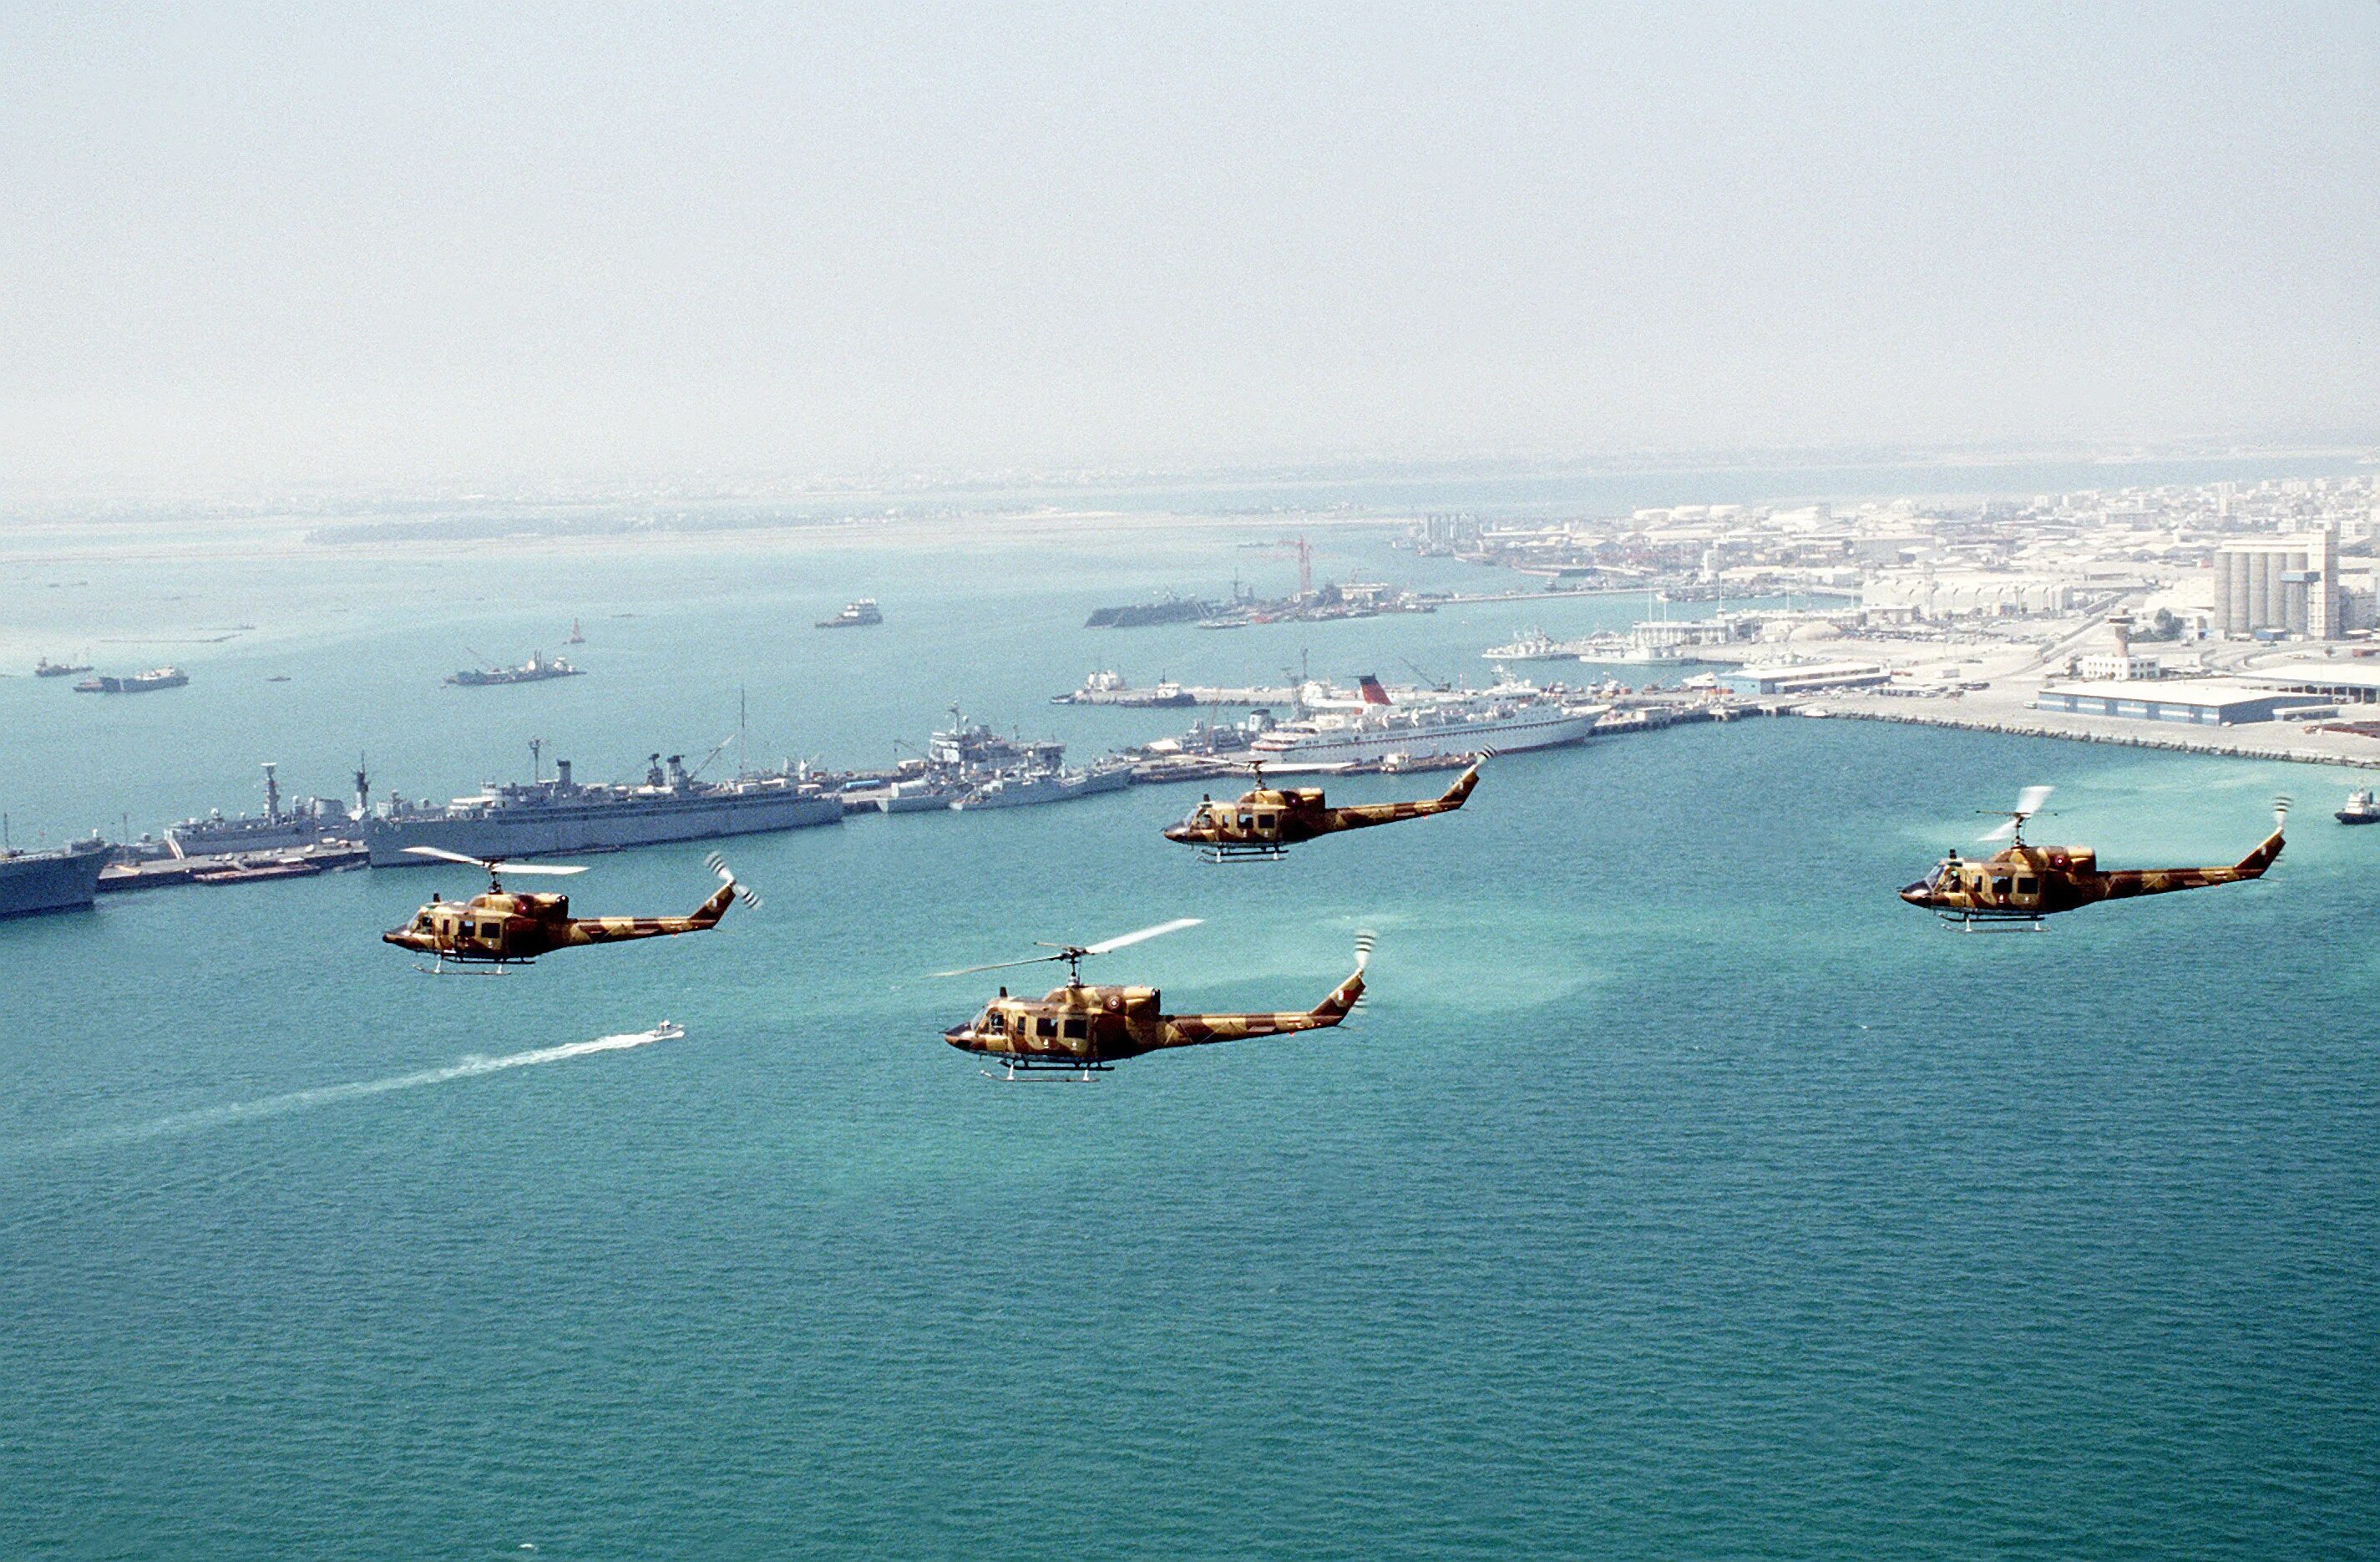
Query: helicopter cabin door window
<point x="2028" y="886"/>
<point x="1045" y="1027"/>
<point x="1077" y="1029"/>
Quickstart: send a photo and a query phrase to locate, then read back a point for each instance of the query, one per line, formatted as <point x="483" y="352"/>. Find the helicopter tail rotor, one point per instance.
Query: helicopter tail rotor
<point x="2281" y="806"/>
<point x="744" y="892"/>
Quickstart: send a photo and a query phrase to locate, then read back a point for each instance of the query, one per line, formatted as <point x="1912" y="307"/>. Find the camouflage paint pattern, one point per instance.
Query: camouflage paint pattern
<point x="1077" y="1026"/>
<point x="1272" y="817"/>
<point x="2026" y="881"/>
<point x="500" y="926"/>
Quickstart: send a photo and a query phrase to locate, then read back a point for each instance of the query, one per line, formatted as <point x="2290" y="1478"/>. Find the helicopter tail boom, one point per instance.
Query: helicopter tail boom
<point x="2127" y="883"/>
<point x="1194" y="1030"/>
<point x="1356" y="816"/>
<point x="612" y="930"/>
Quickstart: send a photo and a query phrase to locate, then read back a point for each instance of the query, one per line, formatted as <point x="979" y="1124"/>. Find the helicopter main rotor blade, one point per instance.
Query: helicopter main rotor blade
<point x="1176" y="925"/>
<point x="2001" y="831"/>
<point x="2031" y="797"/>
<point x="1001" y="965"/>
<point x="444" y="856"/>
<point x="552" y="870"/>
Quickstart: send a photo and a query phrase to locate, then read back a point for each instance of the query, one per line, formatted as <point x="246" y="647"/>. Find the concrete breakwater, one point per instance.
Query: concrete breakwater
<point x="2178" y="743"/>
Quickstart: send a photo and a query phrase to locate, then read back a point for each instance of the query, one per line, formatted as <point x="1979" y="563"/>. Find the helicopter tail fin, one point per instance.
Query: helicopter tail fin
<point x="707" y="915"/>
<point x="1460" y="793"/>
<point x="2253" y="866"/>
<point x="1350" y="992"/>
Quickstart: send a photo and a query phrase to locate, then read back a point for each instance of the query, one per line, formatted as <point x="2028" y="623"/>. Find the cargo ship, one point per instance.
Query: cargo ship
<point x="855" y="615"/>
<point x="1507" y="718"/>
<point x="537" y="669"/>
<point x="137" y="683"/>
<point x="45" y="668"/>
<point x="1145" y="615"/>
<point x="546" y="817"/>
<point x="277" y="829"/>
<point x="66" y="880"/>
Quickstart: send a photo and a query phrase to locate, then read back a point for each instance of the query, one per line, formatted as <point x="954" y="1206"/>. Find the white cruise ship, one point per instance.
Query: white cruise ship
<point x="1505" y="719"/>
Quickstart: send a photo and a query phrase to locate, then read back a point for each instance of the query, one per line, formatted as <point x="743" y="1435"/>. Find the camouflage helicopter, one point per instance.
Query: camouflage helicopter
<point x="502" y="927"/>
<point x="1266" y="821"/>
<point x="1083" y="1029"/>
<point x="2024" y="883"/>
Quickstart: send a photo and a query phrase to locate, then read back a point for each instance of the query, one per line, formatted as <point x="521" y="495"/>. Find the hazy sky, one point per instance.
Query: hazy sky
<point x="240" y="245"/>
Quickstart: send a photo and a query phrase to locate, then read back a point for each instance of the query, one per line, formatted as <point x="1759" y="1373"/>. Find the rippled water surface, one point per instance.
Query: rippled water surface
<point x="1679" y="1192"/>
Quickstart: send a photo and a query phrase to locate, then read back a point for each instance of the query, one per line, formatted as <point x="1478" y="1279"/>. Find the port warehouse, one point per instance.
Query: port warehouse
<point x="2346" y="683"/>
<point x="1804" y="677"/>
<point x="2193" y="702"/>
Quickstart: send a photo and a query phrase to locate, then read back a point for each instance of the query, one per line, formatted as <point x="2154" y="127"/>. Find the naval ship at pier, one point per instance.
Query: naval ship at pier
<point x="301" y="824"/>
<point x="65" y="880"/>
<point x="548" y="817"/>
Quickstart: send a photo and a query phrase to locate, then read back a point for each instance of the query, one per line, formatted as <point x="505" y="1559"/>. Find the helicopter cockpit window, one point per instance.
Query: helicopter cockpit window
<point x="992" y="1022"/>
<point x="421" y="922"/>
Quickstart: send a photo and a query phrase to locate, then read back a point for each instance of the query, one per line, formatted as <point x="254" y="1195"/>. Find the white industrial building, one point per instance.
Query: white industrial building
<point x="1930" y="594"/>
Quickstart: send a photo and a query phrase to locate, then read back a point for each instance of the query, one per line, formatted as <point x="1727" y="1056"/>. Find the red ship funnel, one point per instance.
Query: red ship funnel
<point x="1372" y="691"/>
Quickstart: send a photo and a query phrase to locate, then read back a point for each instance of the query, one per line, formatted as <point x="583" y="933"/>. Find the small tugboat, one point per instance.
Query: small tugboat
<point x="45" y="668"/>
<point x="855" y="615"/>
<point x="2360" y="809"/>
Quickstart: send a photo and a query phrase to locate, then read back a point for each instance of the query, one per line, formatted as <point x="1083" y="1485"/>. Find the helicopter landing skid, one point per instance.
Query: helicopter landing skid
<point x="445" y="966"/>
<point x="1991" y="922"/>
<point x="1273" y="853"/>
<point x="1051" y="1073"/>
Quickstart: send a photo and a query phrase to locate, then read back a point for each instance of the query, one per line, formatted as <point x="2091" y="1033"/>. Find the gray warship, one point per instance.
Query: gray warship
<point x="547" y="817"/>
<point x="294" y="828"/>
<point x="65" y="880"/>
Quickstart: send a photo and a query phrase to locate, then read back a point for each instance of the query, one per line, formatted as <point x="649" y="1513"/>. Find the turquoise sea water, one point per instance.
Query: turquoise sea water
<point x="1678" y="1191"/>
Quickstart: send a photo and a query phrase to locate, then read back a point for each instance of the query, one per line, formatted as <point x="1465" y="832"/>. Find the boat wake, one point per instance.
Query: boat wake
<point x="325" y="1095"/>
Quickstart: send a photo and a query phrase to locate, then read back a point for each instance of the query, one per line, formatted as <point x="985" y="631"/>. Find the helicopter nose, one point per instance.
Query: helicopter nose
<point x="1177" y="832"/>
<point x="1918" y="894"/>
